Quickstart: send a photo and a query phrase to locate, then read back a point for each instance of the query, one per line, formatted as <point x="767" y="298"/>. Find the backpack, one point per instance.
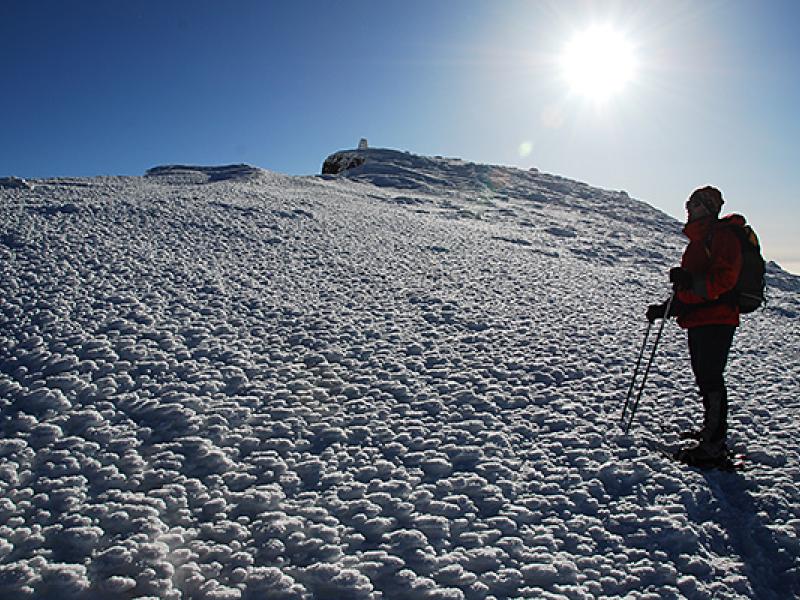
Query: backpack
<point x="749" y="293"/>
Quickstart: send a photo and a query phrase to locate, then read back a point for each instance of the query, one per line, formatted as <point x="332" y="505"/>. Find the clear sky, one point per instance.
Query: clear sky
<point x="91" y="87"/>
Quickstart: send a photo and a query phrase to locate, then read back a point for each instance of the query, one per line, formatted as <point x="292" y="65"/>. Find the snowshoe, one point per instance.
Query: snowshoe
<point x="703" y="457"/>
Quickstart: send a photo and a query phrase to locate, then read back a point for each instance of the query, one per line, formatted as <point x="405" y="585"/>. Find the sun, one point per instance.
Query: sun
<point x="598" y="63"/>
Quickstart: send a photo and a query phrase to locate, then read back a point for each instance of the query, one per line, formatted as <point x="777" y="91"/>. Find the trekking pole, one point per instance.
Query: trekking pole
<point x="635" y="373"/>
<point x="650" y="362"/>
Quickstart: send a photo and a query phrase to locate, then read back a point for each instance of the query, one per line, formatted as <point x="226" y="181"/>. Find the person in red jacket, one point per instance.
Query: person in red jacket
<point x="705" y="305"/>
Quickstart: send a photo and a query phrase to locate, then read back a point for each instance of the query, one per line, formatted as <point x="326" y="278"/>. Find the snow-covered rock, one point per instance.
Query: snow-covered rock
<point x="198" y="174"/>
<point x="15" y="183"/>
<point x="343" y="161"/>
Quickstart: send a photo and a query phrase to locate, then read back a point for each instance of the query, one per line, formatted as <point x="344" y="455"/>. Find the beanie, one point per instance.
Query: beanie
<point x="710" y="197"/>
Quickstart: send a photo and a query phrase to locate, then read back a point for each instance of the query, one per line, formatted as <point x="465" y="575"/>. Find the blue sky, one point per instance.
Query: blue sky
<point x="115" y="87"/>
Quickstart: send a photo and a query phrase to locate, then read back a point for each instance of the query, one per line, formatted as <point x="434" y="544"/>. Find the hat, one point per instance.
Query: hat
<point x="710" y="197"/>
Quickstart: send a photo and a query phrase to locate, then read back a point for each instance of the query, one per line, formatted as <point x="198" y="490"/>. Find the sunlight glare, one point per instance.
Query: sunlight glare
<point x="598" y="62"/>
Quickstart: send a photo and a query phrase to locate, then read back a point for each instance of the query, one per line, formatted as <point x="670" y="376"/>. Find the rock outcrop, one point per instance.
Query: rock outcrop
<point x="340" y="162"/>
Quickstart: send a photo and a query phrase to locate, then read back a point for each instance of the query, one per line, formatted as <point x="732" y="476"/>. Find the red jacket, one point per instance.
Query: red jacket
<point x="715" y="272"/>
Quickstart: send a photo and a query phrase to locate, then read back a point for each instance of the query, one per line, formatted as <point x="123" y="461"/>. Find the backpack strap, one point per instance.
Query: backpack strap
<point x="731" y="296"/>
<point x="707" y="242"/>
<point x="710" y="234"/>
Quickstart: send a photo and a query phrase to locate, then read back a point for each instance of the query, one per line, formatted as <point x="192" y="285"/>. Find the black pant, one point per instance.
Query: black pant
<point x="709" y="346"/>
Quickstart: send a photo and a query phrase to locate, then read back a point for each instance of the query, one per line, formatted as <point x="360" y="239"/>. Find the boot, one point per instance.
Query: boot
<point x="706" y="454"/>
<point x="701" y="433"/>
<point x="715" y="423"/>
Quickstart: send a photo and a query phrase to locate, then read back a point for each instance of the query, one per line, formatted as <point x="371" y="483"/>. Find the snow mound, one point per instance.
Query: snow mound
<point x="186" y="174"/>
<point x="392" y="168"/>
<point x="779" y="278"/>
<point x="453" y="177"/>
<point x="15" y="183"/>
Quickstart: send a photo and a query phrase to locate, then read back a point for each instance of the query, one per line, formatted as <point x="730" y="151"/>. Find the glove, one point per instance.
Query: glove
<point x="656" y="311"/>
<point x="680" y="278"/>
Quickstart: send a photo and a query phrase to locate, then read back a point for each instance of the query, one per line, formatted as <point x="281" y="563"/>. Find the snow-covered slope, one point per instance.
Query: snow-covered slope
<point x="403" y="381"/>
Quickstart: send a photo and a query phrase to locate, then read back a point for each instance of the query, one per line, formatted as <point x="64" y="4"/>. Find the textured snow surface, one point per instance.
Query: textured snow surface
<point x="232" y="384"/>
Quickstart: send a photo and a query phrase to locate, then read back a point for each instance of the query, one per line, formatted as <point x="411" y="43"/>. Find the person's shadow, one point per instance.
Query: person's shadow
<point x="772" y="570"/>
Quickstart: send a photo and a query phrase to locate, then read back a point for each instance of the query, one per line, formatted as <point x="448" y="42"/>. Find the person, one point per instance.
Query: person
<point x="704" y="304"/>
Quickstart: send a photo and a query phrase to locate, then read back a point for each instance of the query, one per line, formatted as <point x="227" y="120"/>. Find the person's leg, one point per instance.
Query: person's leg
<point x="696" y="351"/>
<point x="709" y="347"/>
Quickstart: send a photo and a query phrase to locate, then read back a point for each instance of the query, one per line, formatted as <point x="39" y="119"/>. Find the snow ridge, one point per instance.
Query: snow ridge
<point x="397" y="382"/>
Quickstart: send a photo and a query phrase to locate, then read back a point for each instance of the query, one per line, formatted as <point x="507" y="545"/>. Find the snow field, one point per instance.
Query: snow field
<point x="275" y="387"/>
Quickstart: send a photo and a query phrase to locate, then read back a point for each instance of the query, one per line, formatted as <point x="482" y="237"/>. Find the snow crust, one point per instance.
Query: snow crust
<point x="402" y="381"/>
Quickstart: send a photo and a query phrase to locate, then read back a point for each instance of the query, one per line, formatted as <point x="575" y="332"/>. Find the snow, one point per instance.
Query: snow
<point x="14" y="183"/>
<point x="401" y="381"/>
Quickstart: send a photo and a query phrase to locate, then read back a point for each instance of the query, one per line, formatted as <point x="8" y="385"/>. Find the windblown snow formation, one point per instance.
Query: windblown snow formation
<point x="183" y="174"/>
<point x="14" y="183"/>
<point x="399" y="380"/>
